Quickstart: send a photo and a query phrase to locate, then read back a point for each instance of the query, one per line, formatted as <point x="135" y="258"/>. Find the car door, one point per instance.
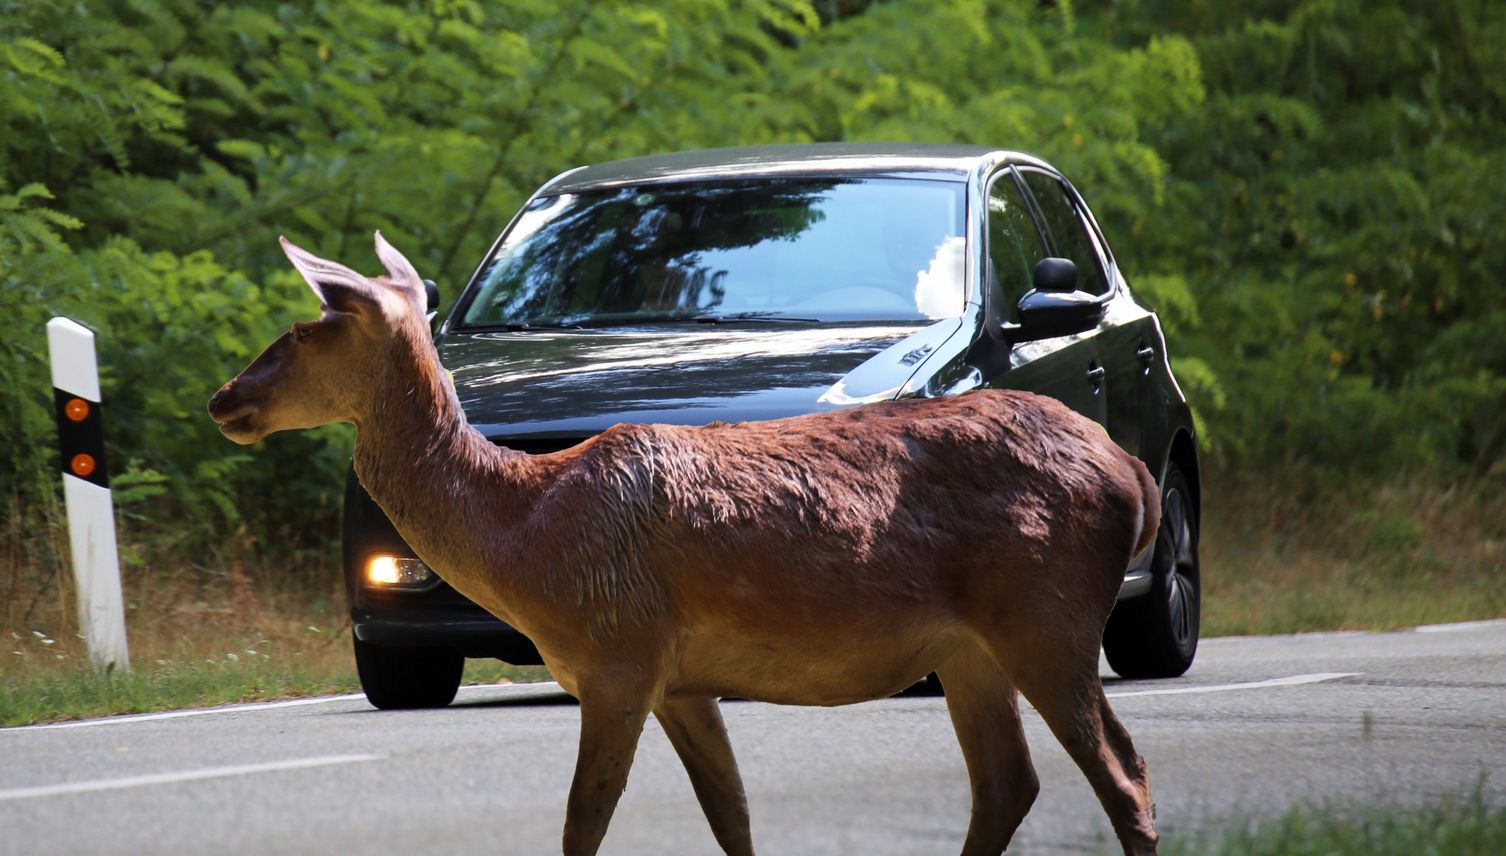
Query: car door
<point x="1128" y="339"/>
<point x="1067" y="367"/>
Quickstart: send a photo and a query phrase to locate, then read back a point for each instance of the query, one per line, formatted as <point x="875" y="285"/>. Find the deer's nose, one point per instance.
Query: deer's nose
<point x="217" y="400"/>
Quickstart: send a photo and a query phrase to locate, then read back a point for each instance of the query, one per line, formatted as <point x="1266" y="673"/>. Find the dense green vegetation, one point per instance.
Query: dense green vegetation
<point x="1307" y="191"/>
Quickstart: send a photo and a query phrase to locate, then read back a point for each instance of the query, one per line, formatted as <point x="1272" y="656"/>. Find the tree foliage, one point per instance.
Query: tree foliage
<point x="1302" y="188"/>
<point x="1334" y="203"/>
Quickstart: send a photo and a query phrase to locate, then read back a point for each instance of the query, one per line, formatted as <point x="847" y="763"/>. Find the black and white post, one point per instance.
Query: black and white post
<point x="86" y="491"/>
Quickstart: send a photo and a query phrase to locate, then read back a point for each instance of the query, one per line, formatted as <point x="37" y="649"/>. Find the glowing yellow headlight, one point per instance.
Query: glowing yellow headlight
<point x="386" y="570"/>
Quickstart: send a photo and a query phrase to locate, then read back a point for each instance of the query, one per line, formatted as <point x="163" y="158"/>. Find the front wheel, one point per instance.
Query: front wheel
<point x="1155" y="635"/>
<point x="401" y="678"/>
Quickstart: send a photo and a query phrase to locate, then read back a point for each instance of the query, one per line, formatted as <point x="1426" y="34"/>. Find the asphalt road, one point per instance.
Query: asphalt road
<point x="1257" y="724"/>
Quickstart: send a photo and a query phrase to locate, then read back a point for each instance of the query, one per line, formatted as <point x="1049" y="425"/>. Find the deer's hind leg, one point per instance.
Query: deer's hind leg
<point x="696" y="730"/>
<point x="1058" y="673"/>
<point x="985" y="712"/>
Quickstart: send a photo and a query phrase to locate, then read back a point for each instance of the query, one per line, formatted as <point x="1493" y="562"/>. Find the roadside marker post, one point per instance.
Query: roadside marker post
<point x="86" y="491"/>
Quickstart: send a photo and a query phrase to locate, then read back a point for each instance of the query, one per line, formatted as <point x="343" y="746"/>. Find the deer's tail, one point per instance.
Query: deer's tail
<point x="1150" y="507"/>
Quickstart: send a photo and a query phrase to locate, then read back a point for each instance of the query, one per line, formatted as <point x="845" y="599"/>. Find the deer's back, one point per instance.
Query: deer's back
<point x="905" y="500"/>
<point x="845" y="551"/>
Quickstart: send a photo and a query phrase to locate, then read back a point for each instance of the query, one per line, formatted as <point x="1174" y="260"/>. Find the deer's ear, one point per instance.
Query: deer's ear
<point x="400" y="271"/>
<point x="337" y="286"/>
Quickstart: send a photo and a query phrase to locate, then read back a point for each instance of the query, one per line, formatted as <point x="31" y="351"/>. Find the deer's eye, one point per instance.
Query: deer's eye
<point x="302" y="333"/>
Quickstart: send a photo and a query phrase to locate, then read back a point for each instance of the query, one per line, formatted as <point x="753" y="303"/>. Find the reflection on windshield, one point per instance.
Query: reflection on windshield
<point x="833" y="249"/>
<point x="938" y="288"/>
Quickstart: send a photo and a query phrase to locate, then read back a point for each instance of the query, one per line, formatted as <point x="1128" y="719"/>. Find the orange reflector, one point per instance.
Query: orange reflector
<point x="82" y="465"/>
<point x="77" y="409"/>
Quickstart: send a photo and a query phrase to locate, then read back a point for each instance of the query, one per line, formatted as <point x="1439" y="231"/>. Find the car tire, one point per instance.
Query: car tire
<point x="1155" y="635"/>
<point x="404" y="678"/>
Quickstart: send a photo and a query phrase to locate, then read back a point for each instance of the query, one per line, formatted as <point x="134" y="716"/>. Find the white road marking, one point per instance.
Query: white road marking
<point x="1455" y="627"/>
<point x="1305" y="636"/>
<point x="1293" y="681"/>
<point x="1460" y="625"/>
<point x="555" y="687"/>
<point x="241" y="708"/>
<point x="182" y="776"/>
<point x="175" y="714"/>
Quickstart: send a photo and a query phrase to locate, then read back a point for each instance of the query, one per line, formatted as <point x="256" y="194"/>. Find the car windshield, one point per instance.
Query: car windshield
<point x="829" y="249"/>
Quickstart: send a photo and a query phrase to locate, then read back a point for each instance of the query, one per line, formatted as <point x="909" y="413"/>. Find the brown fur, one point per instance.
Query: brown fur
<point x="821" y="559"/>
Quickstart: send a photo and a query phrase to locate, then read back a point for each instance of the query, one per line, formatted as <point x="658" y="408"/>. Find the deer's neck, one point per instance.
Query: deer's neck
<point x="455" y="497"/>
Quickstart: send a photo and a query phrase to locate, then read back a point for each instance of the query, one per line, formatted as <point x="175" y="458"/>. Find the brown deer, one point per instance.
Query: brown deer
<point x="821" y="559"/>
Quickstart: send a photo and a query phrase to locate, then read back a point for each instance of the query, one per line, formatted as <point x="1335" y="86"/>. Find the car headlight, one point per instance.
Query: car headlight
<point x="387" y="571"/>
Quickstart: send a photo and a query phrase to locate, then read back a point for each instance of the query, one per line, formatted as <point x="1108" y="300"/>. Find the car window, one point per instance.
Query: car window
<point x="1014" y="244"/>
<point x="1068" y="232"/>
<point x="850" y="248"/>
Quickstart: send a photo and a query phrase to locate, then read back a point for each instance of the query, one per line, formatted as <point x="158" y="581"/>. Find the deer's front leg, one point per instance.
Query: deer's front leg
<point x="696" y="730"/>
<point x="611" y="719"/>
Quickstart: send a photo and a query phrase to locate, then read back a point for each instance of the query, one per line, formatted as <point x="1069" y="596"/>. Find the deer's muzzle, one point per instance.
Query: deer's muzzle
<point x="233" y="413"/>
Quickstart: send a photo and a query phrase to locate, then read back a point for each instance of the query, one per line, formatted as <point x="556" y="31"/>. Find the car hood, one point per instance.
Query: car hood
<point x="560" y="383"/>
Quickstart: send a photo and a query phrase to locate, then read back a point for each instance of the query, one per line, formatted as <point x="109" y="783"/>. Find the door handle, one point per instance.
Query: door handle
<point x="1147" y="356"/>
<point x="1095" y="376"/>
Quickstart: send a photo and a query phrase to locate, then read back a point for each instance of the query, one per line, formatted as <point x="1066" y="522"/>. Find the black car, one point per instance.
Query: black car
<point x="756" y="283"/>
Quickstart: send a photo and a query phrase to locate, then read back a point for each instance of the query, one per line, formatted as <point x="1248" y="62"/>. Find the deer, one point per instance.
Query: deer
<point x="823" y="559"/>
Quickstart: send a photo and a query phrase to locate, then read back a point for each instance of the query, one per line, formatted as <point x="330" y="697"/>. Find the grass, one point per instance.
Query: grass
<point x="1452" y="826"/>
<point x="1281" y="557"/>
<point x="76" y="691"/>
<point x="198" y="636"/>
<point x="1277" y="558"/>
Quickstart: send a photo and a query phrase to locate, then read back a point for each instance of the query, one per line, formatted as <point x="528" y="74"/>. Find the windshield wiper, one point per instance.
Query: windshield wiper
<point x="703" y="318"/>
<point x="520" y="326"/>
<point x="740" y="317"/>
<point x="589" y="323"/>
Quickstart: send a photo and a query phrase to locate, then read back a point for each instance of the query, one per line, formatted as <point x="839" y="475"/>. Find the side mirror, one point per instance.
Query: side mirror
<point x="1055" y="275"/>
<point x="431" y="301"/>
<point x="1055" y="307"/>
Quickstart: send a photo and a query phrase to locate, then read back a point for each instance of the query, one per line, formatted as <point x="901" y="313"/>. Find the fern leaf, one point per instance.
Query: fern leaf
<point x="244" y="149"/>
<point x="36" y="190"/>
<point x="45" y="51"/>
<point x="58" y="218"/>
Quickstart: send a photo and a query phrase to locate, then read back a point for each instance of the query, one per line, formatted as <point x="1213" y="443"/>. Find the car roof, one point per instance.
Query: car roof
<point x="932" y="160"/>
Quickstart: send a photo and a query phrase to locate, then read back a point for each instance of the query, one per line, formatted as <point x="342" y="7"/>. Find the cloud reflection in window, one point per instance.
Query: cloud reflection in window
<point x="939" y="288"/>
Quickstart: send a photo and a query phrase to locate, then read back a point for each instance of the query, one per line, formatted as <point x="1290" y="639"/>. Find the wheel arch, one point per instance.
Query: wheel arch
<point x="1183" y="453"/>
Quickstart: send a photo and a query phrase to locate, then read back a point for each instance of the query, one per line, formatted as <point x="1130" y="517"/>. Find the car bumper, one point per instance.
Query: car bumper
<point x="403" y="623"/>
